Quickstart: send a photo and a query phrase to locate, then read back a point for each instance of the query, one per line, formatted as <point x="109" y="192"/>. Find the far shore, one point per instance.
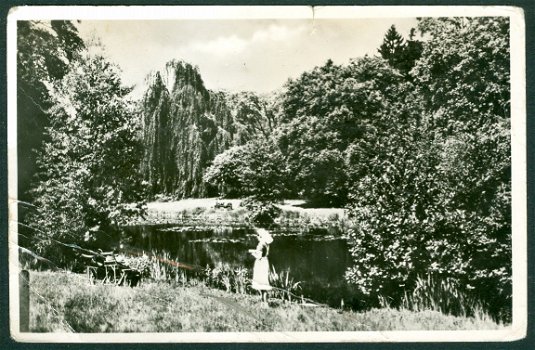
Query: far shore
<point x="292" y="205"/>
<point x="203" y="211"/>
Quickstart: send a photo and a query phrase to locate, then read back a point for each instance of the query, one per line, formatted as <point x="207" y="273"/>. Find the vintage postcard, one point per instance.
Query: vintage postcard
<point x="267" y="174"/>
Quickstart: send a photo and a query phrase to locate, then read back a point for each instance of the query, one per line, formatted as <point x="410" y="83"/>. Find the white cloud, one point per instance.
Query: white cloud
<point x="221" y="46"/>
<point x="257" y="55"/>
<point x="224" y="46"/>
<point x="277" y="33"/>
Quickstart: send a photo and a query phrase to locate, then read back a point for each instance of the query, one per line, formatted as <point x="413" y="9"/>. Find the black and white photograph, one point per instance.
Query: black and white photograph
<point x="267" y="174"/>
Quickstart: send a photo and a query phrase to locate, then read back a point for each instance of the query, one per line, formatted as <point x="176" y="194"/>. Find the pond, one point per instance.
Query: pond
<point x="317" y="261"/>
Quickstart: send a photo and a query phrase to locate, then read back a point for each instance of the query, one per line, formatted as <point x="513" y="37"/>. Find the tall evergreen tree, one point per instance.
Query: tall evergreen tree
<point x="400" y="53"/>
<point x="393" y="47"/>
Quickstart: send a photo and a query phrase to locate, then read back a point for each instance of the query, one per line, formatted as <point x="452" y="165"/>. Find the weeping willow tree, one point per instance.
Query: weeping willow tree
<point x="186" y="125"/>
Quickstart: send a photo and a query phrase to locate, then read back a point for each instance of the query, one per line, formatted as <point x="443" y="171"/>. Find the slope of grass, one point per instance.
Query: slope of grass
<point x="192" y="206"/>
<point x="198" y="212"/>
<point x="65" y="302"/>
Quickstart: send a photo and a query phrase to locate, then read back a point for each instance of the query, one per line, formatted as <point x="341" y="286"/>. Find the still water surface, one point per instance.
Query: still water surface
<point x="318" y="262"/>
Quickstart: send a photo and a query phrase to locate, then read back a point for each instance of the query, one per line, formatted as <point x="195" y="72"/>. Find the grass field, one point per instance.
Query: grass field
<point x="207" y="203"/>
<point x="293" y="215"/>
<point x="65" y="302"/>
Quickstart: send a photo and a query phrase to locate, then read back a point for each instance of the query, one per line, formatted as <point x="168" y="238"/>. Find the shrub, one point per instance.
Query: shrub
<point x="141" y="264"/>
<point x="255" y="169"/>
<point x="284" y="285"/>
<point x="224" y="277"/>
<point x="261" y="213"/>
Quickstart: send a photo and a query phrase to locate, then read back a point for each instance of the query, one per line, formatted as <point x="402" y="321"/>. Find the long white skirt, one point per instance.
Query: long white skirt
<point x="261" y="274"/>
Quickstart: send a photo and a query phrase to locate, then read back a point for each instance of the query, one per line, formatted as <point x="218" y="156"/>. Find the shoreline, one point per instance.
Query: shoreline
<point x="200" y="213"/>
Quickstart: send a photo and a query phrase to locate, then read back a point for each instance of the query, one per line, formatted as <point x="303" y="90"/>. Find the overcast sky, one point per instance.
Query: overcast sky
<point x="238" y="55"/>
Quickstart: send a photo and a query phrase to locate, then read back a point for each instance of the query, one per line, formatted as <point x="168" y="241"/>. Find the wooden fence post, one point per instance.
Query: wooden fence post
<point x="24" y="301"/>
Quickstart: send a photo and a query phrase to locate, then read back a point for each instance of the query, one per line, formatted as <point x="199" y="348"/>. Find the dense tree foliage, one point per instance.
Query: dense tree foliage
<point x="44" y="50"/>
<point x="90" y="160"/>
<point x="392" y="47"/>
<point x="180" y="133"/>
<point x="328" y="113"/>
<point x="436" y="198"/>
<point x="255" y="170"/>
<point x="253" y="115"/>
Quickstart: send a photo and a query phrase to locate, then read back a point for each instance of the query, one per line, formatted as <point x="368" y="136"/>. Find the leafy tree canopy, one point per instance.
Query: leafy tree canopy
<point x="435" y="198"/>
<point x="255" y="170"/>
<point x="44" y="51"/>
<point x="91" y="159"/>
<point x="327" y="110"/>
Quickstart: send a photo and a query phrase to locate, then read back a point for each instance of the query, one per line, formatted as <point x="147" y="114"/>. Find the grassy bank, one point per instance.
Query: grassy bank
<point x="205" y="204"/>
<point x="65" y="302"/>
<point x="199" y="212"/>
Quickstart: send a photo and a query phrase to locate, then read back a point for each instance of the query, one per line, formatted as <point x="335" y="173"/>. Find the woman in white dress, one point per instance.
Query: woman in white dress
<point x="261" y="265"/>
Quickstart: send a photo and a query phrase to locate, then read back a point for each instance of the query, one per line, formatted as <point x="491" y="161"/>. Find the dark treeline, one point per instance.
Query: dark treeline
<point x="414" y="141"/>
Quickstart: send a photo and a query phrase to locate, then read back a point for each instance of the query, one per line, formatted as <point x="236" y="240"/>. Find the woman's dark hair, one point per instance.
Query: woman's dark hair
<point x="264" y="250"/>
